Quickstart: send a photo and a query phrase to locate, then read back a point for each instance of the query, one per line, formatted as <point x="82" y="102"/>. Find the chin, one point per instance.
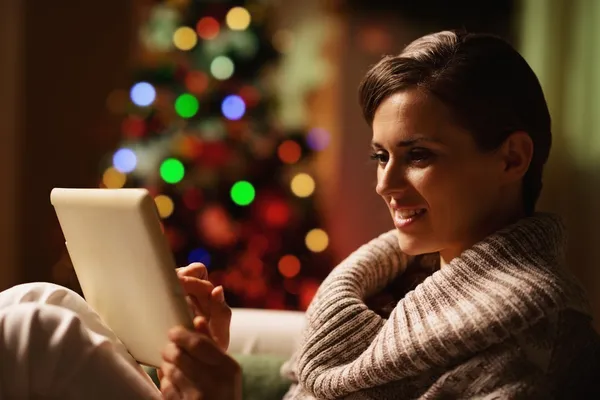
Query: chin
<point x="413" y="246"/>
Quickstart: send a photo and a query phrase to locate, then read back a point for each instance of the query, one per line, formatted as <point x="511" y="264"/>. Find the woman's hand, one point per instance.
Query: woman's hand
<point x="207" y="301"/>
<point x="195" y="367"/>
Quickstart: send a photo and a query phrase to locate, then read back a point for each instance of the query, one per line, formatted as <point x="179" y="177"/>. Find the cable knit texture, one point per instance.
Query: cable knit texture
<point x="504" y="320"/>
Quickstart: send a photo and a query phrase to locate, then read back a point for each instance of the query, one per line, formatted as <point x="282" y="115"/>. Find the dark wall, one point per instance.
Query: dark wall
<point x="74" y="54"/>
<point x="493" y="16"/>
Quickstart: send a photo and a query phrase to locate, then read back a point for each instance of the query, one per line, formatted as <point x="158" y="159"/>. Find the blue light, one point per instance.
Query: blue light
<point x="233" y="107"/>
<point x="318" y="139"/>
<point x="143" y="94"/>
<point x="199" y="255"/>
<point x="124" y="160"/>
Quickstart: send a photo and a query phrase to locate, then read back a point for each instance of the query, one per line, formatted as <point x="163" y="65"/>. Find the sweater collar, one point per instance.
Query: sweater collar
<point x="498" y="288"/>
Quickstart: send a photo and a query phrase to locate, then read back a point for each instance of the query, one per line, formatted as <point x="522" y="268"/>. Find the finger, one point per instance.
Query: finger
<point x="194" y="270"/>
<point x="199" y="346"/>
<point x="169" y="390"/>
<point x="201" y="326"/>
<point x="179" y="379"/>
<point x="181" y="359"/>
<point x="159" y="373"/>
<point x="220" y="318"/>
<point x="199" y="291"/>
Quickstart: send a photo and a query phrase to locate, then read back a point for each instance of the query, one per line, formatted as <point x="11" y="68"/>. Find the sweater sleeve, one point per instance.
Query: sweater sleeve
<point x="500" y="372"/>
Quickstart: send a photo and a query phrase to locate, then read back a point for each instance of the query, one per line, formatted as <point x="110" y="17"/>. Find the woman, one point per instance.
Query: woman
<point x="468" y="297"/>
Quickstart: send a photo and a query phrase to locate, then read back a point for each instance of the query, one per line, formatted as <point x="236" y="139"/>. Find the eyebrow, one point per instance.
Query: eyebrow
<point x="408" y="143"/>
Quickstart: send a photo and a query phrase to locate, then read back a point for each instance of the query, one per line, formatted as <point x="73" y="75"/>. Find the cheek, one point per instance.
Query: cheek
<point x="444" y="187"/>
<point x="456" y="193"/>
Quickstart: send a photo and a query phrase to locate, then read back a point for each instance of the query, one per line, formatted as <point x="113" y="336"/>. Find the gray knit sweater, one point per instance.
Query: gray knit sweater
<point x="503" y="320"/>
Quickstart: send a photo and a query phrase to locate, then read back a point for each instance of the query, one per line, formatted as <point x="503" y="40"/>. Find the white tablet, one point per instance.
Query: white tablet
<point x="124" y="265"/>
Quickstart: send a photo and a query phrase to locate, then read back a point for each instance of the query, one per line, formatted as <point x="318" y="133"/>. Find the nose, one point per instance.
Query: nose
<point x="391" y="179"/>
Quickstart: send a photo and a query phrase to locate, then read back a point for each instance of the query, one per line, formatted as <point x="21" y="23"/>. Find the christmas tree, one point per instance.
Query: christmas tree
<point x="201" y="133"/>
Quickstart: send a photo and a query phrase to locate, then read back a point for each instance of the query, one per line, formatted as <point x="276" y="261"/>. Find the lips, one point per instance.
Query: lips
<point x="404" y="216"/>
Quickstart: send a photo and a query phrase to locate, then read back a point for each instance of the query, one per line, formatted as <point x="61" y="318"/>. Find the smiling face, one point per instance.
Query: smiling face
<point x="444" y="194"/>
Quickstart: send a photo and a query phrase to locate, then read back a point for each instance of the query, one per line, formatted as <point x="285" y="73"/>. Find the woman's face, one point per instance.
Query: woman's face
<point x="441" y="190"/>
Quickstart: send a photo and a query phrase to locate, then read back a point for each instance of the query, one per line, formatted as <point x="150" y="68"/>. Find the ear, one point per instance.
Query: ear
<point x="516" y="153"/>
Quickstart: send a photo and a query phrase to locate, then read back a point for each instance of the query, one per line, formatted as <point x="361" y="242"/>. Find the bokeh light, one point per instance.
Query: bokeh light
<point x="318" y="139"/>
<point x="199" y="255"/>
<point x="242" y="193"/>
<point x="142" y="94"/>
<point x="277" y="213"/>
<point x="164" y="205"/>
<point x="196" y="82"/>
<point x="113" y="178"/>
<point x="124" y="160"/>
<point x="222" y="68"/>
<point x="133" y="127"/>
<point x="186" y="105"/>
<point x="303" y="185"/>
<point x="289" y="152"/>
<point x="250" y="95"/>
<point x="317" y="240"/>
<point x="308" y="289"/>
<point x="208" y="28"/>
<point x="233" y="107"/>
<point x="185" y="38"/>
<point x="289" y="266"/>
<point x="238" y="19"/>
<point x="172" y="170"/>
<point x="216" y="227"/>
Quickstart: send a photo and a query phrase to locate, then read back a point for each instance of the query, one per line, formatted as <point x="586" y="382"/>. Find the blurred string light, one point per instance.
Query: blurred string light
<point x="289" y="266"/>
<point x="113" y="178"/>
<point x="188" y="146"/>
<point x="238" y="19"/>
<point x="318" y="139"/>
<point x="289" y="152"/>
<point x="283" y="41"/>
<point x="250" y="94"/>
<point x="133" y="127"/>
<point x="186" y="105"/>
<point x="317" y="240"/>
<point x="222" y="68"/>
<point x="242" y="193"/>
<point x="277" y="213"/>
<point x="303" y="185"/>
<point x="142" y="94"/>
<point x="172" y="170"/>
<point x="208" y="28"/>
<point x="199" y="255"/>
<point x="196" y="82"/>
<point x="124" y="160"/>
<point x="185" y="38"/>
<point x="164" y="205"/>
<point x="233" y="107"/>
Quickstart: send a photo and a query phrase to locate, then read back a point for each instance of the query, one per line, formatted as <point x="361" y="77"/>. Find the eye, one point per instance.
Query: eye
<point x="419" y="155"/>
<point x="380" y="157"/>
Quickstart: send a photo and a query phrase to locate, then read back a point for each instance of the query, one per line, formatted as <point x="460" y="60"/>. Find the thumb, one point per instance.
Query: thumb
<point x="220" y="317"/>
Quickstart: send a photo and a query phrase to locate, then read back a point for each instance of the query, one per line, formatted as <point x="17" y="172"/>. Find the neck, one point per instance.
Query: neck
<point x="496" y="221"/>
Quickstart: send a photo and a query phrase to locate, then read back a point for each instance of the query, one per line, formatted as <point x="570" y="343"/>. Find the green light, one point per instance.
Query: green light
<point x="242" y="193"/>
<point x="171" y="170"/>
<point x="186" y="105"/>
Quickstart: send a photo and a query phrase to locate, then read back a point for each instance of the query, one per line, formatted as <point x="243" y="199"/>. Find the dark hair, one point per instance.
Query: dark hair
<point x="489" y="88"/>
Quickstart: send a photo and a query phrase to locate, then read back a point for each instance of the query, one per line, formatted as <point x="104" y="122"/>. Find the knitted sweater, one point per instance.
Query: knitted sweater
<point x="503" y="320"/>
